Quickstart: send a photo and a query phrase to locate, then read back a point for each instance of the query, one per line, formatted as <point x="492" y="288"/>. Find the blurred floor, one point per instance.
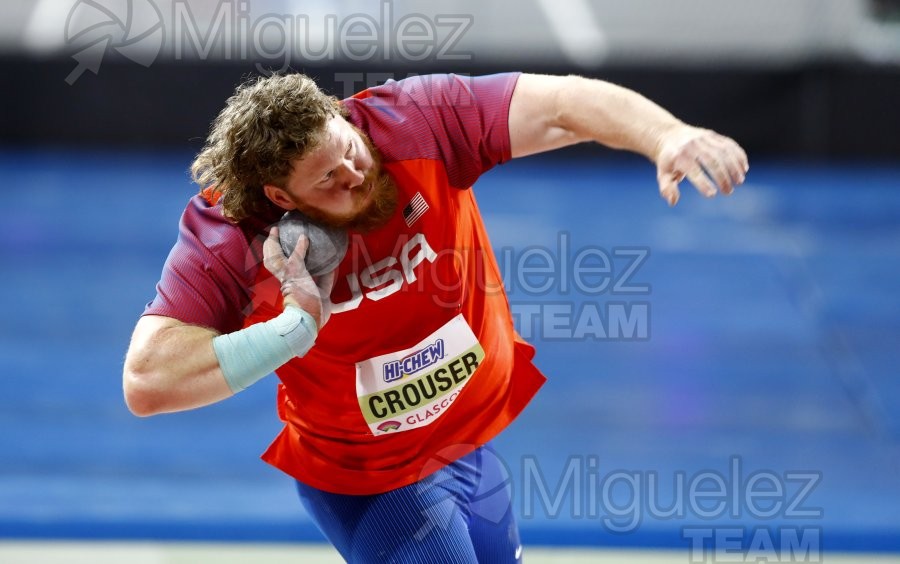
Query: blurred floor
<point x="200" y="553"/>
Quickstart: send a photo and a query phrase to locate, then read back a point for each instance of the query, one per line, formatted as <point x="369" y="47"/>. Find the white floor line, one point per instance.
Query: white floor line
<point x="67" y="552"/>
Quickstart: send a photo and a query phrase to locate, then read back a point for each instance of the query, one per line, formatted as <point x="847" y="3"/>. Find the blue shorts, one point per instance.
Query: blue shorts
<point x="461" y="513"/>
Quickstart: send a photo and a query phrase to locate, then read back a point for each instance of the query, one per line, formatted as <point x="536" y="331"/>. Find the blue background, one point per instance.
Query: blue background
<point x="774" y="321"/>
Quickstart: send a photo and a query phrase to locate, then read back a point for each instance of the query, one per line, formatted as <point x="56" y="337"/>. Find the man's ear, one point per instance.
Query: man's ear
<point x="279" y="197"/>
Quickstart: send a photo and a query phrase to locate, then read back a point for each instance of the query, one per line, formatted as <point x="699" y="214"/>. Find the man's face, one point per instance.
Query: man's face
<point x="340" y="182"/>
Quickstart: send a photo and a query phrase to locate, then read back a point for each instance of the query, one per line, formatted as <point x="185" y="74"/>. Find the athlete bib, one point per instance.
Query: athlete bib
<point x="411" y="388"/>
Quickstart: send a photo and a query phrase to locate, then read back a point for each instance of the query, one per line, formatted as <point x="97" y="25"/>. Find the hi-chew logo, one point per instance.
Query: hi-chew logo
<point x="414" y="362"/>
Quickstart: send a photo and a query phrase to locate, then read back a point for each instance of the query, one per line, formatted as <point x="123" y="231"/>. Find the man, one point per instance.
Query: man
<point x="399" y="367"/>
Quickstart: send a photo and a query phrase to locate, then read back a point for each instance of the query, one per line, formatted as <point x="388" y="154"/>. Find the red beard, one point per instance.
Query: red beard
<point x="381" y="205"/>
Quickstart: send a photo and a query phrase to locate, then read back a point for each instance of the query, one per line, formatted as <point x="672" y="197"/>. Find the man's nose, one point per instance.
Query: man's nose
<point x="351" y="177"/>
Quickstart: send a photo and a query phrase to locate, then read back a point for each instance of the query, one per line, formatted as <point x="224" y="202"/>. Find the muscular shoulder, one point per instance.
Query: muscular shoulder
<point x="208" y="276"/>
<point x="204" y="223"/>
<point x="460" y="120"/>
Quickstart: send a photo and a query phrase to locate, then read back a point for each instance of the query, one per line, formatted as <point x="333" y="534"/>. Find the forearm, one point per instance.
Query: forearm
<point x="172" y="367"/>
<point x="548" y="112"/>
<point x="614" y="116"/>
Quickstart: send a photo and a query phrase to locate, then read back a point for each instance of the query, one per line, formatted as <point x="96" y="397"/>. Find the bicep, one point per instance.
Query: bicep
<point x="171" y="366"/>
<point x="535" y="119"/>
<point x="152" y="332"/>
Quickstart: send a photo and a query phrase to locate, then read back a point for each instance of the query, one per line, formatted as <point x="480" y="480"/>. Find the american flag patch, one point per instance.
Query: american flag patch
<point x="414" y="209"/>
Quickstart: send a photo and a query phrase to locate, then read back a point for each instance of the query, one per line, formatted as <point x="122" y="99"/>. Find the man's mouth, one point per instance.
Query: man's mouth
<point x="365" y="192"/>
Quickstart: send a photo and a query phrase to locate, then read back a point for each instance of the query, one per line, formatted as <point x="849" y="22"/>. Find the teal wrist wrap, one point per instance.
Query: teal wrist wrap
<point x="248" y="355"/>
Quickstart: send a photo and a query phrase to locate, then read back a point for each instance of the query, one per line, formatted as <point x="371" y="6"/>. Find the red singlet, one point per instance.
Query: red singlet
<point x="419" y="363"/>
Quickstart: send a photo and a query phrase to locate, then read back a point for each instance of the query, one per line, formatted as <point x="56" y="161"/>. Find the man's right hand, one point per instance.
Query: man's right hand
<point x="297" y="286"/>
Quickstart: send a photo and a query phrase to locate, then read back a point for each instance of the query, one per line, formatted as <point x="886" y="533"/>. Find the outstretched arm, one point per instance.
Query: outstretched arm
<point x="549" y="112"/>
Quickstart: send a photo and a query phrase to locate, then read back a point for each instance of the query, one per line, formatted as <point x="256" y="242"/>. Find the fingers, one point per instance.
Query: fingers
<point x="273" y="256"/>
<point x="295" y="265"/>
<point x="300" y="289"/>
<point x="325" y="284"/>
<point x="702" y="180"/>
<point x="711" y="162"/>
<point x="668" y="188"/>
<point x="297" y="286"/>
<point x="725" y="162"/>
<point x="738" y="166"/>
<point x="300" y="248"/>
<point x="710" y="173"/>
<point x="712" y="167"/>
